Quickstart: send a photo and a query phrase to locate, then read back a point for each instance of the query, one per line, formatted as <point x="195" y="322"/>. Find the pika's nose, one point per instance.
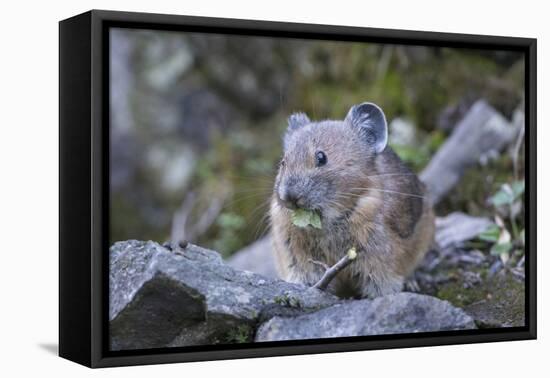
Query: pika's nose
<point x="291" y="199"/>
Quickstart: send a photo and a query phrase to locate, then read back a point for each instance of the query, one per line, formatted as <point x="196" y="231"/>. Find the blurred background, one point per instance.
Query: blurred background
<point x="197" y="120"/>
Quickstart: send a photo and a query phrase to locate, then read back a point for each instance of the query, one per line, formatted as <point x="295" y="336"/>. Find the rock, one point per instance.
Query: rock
<point x="481" y="131"/>
<point x="257" y="257"/>
<point x="402" y="132"/>
<point x="160" y="298"/>
<point x="392" y="314"/>
<point x="457" y="228"/>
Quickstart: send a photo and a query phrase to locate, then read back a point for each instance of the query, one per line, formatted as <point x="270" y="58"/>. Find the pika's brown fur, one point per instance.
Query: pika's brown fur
<point x="367" y="198"/>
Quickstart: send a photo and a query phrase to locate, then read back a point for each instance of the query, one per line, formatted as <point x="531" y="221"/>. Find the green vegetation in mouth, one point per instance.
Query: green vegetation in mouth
<point x="303" y="218"/>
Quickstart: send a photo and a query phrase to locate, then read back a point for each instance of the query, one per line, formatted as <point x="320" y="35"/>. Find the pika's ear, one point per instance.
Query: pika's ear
<point x="370" y="120"/>
<point x="295" y="121"/>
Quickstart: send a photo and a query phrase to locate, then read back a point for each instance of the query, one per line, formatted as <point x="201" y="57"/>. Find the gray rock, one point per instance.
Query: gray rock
<point x="457" y="228"/>
<point x="162" y="298"/>
<point x="393" y="314"/>
<point x="257" y="257"/>
<point x="402" y="132"/>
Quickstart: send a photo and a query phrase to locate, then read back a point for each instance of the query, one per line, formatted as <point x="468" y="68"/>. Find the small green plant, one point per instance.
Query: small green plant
<point x="508" y="202"/>
<point x="504" y="235"/>
<point x="239" y="335"/>
<point x="287" y="301"/>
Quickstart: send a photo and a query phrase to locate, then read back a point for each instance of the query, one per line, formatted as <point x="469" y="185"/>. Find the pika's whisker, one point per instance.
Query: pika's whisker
<point x="387" y="191"/>
<point x="243" y="198"/>
<point x="391" y="174"/>
<point x="337" y="204"/>
<point x="266" y="177"/>
<point x="354" y="196"/>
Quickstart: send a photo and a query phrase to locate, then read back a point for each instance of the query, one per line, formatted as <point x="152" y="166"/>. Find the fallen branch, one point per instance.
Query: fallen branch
<point x="483" y="129"/>
<point x="208" y="218"/>
<point x="331" y="272"/>
<point x="515" y="153"/>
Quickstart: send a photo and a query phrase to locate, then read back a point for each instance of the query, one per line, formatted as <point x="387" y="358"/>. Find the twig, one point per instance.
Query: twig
<point x="331" y="272"/>
<point x="179" y="220"/>
<point x="521" y="262"/>
<point x="208" y="217"/>
<point x="515" y="153"/>
<point x="477" y="302"/>
<point x="181" y="227"/>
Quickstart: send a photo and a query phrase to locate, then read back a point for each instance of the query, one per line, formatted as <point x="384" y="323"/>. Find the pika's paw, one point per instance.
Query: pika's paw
<point x="411" y="284"/>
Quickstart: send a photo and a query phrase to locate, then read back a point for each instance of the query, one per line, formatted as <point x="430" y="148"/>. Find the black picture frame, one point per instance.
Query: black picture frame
<point x="84" y="187"/>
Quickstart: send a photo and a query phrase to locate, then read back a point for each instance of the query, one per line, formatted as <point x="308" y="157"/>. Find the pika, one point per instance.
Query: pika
<point x="366" y="198"/>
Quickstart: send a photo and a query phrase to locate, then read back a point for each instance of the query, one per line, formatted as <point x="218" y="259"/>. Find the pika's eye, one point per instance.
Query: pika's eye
<point x="320" y="158"/>
<point x="282" y="163"/>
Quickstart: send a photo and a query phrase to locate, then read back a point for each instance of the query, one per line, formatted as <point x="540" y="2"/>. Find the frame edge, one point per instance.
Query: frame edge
<point x="74" y="191"/>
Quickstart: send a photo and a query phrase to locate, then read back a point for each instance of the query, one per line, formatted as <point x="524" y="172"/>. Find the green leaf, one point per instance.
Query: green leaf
<point x="507" y="194"/>
<point x="504" y="196"/>
<point x="304" y="218"/>
<point x="518" y="187"/>
<point x="491" y="234"/>
<point x="300" y="218"/>
<point x="500" y="249"/>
